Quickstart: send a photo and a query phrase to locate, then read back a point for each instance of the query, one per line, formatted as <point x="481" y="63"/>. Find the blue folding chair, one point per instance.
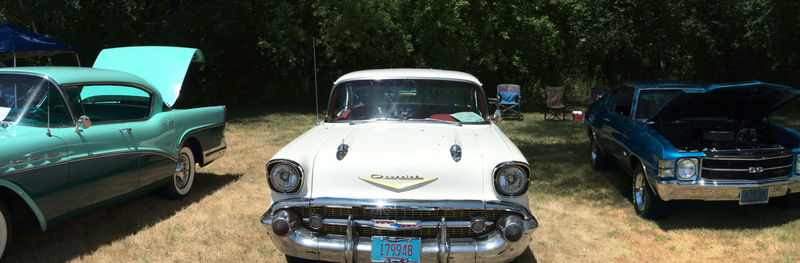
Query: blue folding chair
<point x="508" y="100"/>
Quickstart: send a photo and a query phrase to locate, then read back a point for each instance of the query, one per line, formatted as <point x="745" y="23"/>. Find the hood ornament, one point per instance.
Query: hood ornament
<point x="455" y="152"/>
<point x="341" y="152"/>
<point x="414" y="180"/>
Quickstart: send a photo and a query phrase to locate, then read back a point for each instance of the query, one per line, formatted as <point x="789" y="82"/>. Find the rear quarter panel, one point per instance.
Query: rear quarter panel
<point x="206" y="125"/>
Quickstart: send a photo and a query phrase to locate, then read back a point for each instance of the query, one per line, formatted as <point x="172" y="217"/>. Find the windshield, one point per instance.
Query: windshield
<point x="24" y="100"/>
<point x="408" y="99"/>
<point x="651" y="101"/>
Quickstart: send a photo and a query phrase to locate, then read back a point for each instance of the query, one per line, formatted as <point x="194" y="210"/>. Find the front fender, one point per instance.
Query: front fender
<point x="28" y="200"/>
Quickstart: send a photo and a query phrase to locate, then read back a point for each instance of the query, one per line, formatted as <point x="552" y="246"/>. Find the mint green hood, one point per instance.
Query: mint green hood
<point x="163" y="67"/>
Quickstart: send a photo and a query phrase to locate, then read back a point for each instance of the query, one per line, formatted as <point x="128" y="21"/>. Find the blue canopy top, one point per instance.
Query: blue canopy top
<point x="24" y="43"/>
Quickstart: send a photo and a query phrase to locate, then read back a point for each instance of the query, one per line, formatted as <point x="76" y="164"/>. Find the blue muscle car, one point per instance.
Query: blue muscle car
<point x="76" y="138"/>
<point x="696" y="141"/>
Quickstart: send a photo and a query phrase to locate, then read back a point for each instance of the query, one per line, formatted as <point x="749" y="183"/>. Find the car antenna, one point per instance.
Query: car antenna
<point x="316" y="93"/>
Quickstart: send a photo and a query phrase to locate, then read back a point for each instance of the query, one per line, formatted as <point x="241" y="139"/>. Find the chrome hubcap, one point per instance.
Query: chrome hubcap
<point x="638" y="192"/>
<point x="182" y="172"/>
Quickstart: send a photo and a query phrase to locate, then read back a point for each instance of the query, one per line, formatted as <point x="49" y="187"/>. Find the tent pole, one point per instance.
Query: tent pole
<point x="78" y="59"/>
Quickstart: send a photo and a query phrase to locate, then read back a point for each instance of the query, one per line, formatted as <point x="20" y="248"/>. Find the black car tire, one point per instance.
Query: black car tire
<point x="5" y="229"/>
<point x="645" y="202"/>
<point x="180" y="183"/>
<point x="599" y="160"/>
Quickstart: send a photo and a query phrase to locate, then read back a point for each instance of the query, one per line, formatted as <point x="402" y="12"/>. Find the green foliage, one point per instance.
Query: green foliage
<point x="260" y="51"/>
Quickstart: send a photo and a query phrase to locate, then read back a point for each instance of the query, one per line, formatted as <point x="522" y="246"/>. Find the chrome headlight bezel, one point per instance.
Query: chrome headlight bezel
<point x="272" y="164"/>
<point x="689" y="162"/>
<point x="513" y="164"/>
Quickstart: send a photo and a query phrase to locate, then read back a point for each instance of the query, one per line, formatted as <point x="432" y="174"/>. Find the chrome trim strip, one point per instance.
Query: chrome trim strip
<point x="426" y="205"/>
<point x="205" y="127"/>
<point x="18" y="161"/>
<point x="35" y="158"/>
<point x="744" y="170"/>
<point x="162" y="153"/>
<point x="52" y="155"/>
<point x="746" y="159"/>
<point x="371" y="224"/>
<point x="20" y="170"/>
<point x="84" y="158"/>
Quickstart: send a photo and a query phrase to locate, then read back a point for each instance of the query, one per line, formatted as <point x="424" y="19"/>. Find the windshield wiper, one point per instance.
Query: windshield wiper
<point x="355" y="122"/>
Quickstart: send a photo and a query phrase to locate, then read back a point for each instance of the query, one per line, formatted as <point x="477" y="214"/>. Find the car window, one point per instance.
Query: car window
<point x="650" y="101"/>
<point x="28" y="100"/>
<point x="623" y="101"/>
<point x="407" y="99"/>
<point x="107" y="103"/>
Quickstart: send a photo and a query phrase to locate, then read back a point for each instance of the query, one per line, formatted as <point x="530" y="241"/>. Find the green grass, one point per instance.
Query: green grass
<point x="584" y="215"/>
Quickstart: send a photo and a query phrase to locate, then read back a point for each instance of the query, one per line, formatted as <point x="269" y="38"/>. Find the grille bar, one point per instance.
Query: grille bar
<point x="746" y="167"/>
<point x="458" y="221"/>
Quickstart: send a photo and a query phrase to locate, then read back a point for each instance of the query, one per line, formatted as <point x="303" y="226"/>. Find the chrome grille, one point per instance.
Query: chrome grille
<point x="401" y="214"/>
<point x="749" y="168"/>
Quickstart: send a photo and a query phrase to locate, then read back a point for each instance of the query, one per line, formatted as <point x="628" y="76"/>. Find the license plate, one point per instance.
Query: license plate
<point x="754" y="196"/>
<point x="395" y="249"/>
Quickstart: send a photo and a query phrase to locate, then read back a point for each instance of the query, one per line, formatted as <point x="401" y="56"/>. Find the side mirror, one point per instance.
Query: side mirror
<point x="84" y="122"/>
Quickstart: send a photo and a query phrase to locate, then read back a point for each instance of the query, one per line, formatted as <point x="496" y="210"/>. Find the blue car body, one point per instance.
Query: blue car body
<point x="650" y="126"/>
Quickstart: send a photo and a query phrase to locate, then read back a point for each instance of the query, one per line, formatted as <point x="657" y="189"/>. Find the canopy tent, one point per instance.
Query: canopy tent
<point x="16" y="43"/>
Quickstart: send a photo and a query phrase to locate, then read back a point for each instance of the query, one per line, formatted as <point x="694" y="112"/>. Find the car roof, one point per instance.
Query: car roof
<point x="71" y="75"/>
<point x="667" y="84"/>
<point x="408" y="73"/>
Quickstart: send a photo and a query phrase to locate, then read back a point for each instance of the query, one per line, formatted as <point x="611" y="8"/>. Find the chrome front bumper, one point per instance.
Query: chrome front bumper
<point x="724" y="190"/>
<point x="488" y="247"/>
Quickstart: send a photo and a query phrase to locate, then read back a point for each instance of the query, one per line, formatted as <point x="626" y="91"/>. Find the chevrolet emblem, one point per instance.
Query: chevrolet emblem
<point x="378" y="179"/>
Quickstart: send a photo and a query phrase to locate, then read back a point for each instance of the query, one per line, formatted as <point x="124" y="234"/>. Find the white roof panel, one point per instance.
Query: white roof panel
<point x="408" y="73"/>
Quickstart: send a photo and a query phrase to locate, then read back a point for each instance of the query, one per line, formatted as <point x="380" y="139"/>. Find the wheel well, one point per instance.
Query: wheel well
<point x="636" y="163"/>
<point x="21" y="214"/>
<point x="197" y="151"/>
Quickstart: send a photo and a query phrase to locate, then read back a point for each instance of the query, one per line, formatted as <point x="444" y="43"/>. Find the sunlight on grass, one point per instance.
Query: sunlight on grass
<point x="584" y="215"/>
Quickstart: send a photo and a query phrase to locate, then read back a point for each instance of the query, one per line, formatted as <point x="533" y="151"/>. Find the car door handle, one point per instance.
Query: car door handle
<point x="126" y="130"/>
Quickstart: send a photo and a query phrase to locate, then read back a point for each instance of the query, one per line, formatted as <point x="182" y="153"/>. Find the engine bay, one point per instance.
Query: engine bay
<point x="727" y="139"/>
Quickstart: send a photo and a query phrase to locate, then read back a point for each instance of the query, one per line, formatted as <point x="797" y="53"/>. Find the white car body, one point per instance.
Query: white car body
<point x="417" y="160"/>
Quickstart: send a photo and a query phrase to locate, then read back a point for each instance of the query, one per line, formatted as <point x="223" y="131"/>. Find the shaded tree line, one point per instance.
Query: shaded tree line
<point x="259" y="52"/>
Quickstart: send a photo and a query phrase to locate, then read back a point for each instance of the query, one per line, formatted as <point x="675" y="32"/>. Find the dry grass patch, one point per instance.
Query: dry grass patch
<point x="584" y="215"/>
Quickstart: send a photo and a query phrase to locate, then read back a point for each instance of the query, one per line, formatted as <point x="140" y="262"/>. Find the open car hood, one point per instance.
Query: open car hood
<point x="163" y="67"/>
<point x="751" y="100"/>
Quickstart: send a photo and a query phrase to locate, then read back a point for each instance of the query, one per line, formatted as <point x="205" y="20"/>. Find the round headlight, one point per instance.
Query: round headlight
<point x="284" y="178"/>
<point x="687" y="168"/>
<point x="511" y="180"/>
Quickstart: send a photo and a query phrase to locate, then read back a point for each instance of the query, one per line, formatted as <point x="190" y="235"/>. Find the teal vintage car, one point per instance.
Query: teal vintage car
<point x="76" y="138"/>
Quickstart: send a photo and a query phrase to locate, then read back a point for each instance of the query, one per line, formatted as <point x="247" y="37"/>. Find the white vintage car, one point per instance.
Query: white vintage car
<point x="406" y="167"/>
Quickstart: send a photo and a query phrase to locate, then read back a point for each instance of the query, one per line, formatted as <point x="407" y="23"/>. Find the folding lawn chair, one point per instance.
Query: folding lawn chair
<point x="508" y="100"/>
<point x="555" y="104"/>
